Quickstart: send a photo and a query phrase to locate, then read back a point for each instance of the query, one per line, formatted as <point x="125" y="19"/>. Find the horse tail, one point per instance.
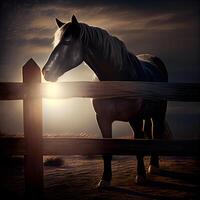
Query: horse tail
<point x="167" y="131"/>
<point x="161" y="66"/>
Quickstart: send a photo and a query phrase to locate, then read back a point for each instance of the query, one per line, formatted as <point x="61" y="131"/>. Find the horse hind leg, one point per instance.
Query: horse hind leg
<point x="105" y="126"/>
<point x="148" y="128"/>
<point x="153" y="166"/>
<point x="137" y="126"/>
<point x="158" y="133"/>
<point x="154" y="160"/>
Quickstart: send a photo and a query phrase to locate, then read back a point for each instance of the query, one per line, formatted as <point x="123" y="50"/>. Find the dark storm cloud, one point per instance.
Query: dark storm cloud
<point x="143" y="6"/>
<point x="126" y="16"/>
<point x="156" y="5"/>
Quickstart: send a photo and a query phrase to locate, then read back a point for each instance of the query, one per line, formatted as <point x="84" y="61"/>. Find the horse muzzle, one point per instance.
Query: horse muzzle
<point x="49" y="76"/>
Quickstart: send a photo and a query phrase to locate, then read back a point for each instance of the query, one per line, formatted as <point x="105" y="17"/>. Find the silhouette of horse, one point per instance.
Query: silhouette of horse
<point x="110" y="60"/>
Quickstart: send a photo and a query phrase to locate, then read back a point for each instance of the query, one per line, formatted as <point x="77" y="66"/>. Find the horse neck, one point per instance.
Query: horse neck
<point x="107" y="57"/>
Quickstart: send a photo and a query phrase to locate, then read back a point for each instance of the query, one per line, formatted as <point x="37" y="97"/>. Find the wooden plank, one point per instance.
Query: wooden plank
<point x="106" y="89"/>
<point x="56" y="146"/>
<point x="12" y="91"/>
<point x="32" y="108"/>
<point x="12" y="146"/>
<point x="79" y="146"/>
<point x="19" y="91"/>
<point x="113" y="89"/>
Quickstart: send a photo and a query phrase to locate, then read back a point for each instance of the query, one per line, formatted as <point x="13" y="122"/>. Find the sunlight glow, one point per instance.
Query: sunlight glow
<point x="52" y="90"/>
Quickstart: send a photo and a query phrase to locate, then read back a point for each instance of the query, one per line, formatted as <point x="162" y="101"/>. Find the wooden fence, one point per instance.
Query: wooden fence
<point x="33" y="146"/>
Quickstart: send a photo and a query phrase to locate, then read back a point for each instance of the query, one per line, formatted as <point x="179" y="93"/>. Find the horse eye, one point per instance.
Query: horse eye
<point x="66" y="41"/>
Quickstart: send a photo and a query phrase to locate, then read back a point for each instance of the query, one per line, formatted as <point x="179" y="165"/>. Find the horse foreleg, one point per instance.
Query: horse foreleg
<point x="105" y="126"/>
<point x="137" y="126"/>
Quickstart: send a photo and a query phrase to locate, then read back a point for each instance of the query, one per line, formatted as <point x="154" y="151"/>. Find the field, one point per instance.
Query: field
<point x="78" y="176"/>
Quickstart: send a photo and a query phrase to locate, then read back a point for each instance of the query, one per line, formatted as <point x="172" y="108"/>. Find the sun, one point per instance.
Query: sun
<point x="52" y="90"/>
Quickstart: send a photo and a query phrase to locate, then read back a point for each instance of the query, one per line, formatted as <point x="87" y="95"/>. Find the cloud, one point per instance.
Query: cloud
<point x="34" y="32"/>
<point x="140" y="25"/>
<point x="123" y="20"/>
<point x="176" y="20"/>
<point x="42" y="22"/>
<point x="33" y="42"/>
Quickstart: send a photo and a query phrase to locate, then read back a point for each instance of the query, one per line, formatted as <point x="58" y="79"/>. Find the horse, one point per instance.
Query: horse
<point x="76" y="42"/>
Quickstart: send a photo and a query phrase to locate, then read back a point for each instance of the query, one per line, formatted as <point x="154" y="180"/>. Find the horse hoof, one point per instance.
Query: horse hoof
<point x="103" y="184"/>
<point x="153" y="170"/>
<point x="140" y="180"/>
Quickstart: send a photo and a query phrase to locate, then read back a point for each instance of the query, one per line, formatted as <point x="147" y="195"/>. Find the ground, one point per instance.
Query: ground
<point x="78" y="177"/>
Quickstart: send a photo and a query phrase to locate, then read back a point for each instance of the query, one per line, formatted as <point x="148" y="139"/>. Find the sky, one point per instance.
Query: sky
<point x="168" y="29"/>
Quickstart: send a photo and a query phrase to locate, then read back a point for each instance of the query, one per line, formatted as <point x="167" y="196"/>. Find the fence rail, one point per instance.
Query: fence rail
<point x="106" y="89"/>
<point x="34" y="146"/>
<point x="90" y="146"/>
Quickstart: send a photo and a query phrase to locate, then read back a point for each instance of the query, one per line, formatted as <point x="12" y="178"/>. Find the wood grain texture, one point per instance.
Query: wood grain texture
<point x="113" y="89"/>
<point x="12" y="91"/>
<point x="106" y="89"/>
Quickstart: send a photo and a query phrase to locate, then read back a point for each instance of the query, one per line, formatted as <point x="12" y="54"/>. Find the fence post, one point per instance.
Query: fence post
<point x="32" y="111"/>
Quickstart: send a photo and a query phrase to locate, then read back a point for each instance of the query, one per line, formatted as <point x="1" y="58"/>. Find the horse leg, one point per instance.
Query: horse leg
<point x="148" y="128"/>
<point x="158" y="126"/>
<point x="158" y="133"/>
<point x="154" y="158"/>
<point x="105" y="126"/>
<point x="137" y="126"/>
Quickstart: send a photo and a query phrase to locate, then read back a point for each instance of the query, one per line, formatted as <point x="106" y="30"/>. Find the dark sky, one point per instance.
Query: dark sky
<point x="168" y="29"/>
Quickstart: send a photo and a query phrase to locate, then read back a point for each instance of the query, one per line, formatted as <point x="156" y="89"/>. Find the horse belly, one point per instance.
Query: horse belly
<point x="118" y="109"/>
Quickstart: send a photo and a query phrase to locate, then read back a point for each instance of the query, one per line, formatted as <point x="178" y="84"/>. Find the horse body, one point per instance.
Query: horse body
<point x="110" y="60"/>
<point x="127" y="109"/>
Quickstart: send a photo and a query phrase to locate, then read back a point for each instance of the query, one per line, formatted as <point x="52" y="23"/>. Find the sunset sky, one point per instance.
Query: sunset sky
<point x="168" y="29"/>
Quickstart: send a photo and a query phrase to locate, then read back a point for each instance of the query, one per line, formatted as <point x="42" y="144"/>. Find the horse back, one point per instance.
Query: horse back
<point x="153" y="68"/>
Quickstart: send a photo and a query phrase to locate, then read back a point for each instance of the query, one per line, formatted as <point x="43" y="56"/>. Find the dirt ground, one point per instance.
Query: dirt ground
<point x="78" y="177"/>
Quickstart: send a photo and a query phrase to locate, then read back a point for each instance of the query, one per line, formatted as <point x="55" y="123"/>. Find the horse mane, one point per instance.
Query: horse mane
<point x="112" y="48"/>
<point x="58" y="35"/>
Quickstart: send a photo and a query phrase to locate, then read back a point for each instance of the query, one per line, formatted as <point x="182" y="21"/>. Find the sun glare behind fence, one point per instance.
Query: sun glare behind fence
<point x="52" y="90"/>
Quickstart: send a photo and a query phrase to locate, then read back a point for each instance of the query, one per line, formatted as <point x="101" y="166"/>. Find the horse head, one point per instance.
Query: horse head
<point x="67" y="52"/>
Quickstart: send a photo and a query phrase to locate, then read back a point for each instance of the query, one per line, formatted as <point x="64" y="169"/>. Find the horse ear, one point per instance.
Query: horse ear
<point x="59" y="23"/>
<point x="74" y="20"/>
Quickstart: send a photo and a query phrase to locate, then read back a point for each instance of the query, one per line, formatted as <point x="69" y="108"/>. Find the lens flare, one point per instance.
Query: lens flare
<point x="52" y="90"/>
